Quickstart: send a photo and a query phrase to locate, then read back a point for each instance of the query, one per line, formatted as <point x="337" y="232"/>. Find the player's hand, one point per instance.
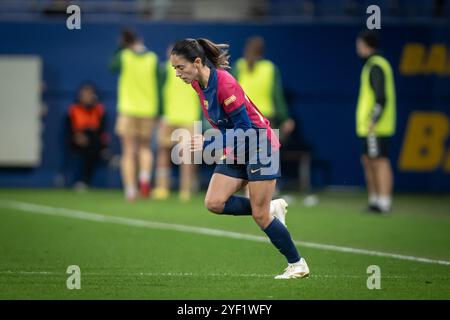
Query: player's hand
<point x="162" y="124"/>
<point x="196" y="143"/>
<point x="287" y="127"/>
<point x="81" y="139"/>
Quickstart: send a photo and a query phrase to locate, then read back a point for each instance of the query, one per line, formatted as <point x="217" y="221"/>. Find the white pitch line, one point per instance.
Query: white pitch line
<point x="186" y="274"/>
<point x="83" y="215"/>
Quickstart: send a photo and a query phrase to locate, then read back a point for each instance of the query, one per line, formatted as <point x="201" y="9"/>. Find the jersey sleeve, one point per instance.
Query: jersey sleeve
<point x="231" y="96"/>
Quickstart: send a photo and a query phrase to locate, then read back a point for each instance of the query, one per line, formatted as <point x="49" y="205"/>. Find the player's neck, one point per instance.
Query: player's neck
<point x="204" y="76"/>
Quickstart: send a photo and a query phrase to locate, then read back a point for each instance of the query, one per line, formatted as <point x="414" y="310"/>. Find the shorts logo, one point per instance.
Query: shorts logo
<point x="256" y="170"/>
<point x="205" y="103"/>
<point x="230" y="100"/>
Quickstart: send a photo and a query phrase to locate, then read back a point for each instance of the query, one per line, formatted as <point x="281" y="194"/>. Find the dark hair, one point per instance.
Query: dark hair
<point x="257" y="41"/>
<point x="86" y="85"/>
<point x="204" y="49"/>
<point x="370" y="38"/>
<point x="128" y="37"/>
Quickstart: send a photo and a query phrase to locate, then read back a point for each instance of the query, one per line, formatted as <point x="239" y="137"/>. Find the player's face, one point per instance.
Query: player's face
<point x="254" y="49"/>
<point x="185" y="70"/>
<point x="87" y="96"/>
<point x="361" y="48"/>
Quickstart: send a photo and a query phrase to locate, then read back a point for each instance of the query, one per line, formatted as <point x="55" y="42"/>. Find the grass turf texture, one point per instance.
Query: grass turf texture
<point x="129" y="262"/>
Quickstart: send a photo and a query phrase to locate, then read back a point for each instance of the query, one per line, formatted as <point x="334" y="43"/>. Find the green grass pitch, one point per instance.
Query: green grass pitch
<point x="140" y="251"/>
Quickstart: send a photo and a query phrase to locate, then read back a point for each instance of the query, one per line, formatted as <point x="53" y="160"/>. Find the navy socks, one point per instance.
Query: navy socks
<point x="237" y="206"/>
<point x="281" y="239"/>
<point x="276" y="231"/>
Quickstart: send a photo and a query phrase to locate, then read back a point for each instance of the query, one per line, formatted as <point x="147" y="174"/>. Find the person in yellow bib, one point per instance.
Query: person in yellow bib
<point x="261" y="80"/>
<point x="137" y="108"/>
<point x="375" y="121"/>
<point x="180" y="109"/>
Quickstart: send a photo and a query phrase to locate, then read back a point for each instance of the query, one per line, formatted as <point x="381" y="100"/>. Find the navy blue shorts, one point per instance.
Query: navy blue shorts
<point x="266" y="167"/>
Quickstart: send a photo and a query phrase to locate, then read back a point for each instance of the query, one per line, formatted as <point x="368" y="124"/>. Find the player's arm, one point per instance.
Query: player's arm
<point x="234" y="71"/>
<point x="161" y="76"/>
<point x="240" y="120"/>
<point x="377" y="84"/>
<point x="68" y="130"/>
<point x="115" y="62"/>
<point x="104" y="137"/>
<point x="281" y="108"/>
<point x="232" y="100"/>
<point x="286" y="123"/>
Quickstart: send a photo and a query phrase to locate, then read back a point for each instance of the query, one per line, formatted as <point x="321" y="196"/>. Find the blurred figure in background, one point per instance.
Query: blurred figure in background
<point x="261" y="80"/>
<point x="86" y="134"/>
<point x="56" y="8"/>
<point x="375" y="121"/>
<point x="138" y="100"/>
<point x="180" y="108"/>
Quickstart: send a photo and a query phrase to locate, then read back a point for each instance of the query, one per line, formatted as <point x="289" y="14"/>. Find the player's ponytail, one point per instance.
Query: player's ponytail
<point x="216" y="53"/>
<point x="204" y="49"/>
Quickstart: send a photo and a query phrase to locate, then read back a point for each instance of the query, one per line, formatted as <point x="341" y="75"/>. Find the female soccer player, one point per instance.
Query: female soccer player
<point x="202" y="64"/>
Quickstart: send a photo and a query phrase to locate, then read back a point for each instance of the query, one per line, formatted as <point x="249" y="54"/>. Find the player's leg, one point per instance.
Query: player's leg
<point x="186" y="175"/>
<point x="90" y="164"/>
<point x="371" y="181"/>
<point x="220" y="199"/>
<point x="145" y="165"/>
<point x="186" y="170"/>
<point x="246" y="192"/>
<point x="162" y="186"/>
<point x="383" y="175"/>
<point x="260" y="193"/>
<point x="145" y="155"/>
<point x="126" y="130"/>
<point x="128" y="166"/>
<point x="260" y="197"/>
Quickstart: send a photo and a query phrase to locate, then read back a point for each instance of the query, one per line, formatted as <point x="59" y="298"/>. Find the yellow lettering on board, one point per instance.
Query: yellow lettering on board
<point x="424" y="143"/>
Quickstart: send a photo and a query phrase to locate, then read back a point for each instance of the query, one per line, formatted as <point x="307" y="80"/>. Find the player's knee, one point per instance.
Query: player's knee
<point x="127" y="157"/>
<point x="128" y="151"/>
<point x="261" y="217"/>
<point x="214" y="205"/>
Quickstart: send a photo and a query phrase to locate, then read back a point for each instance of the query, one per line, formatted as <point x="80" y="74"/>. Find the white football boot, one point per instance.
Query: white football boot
<point x="295" y="270"/>
<point x="278" y="208"/>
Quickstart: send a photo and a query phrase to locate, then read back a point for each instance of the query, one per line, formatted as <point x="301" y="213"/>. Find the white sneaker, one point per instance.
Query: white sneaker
<point x="295" y="270"/>
<point x="279" y="207"/>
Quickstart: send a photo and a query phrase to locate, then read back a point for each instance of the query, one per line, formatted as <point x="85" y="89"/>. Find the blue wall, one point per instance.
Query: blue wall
<point x="319" y="67"/>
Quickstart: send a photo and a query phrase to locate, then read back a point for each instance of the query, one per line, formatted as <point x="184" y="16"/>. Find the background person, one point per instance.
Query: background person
<point x="137" y="106"/>
<point x="180" y="109"/>
<point x="375" y="121"/>
<point x="86" y="134"/>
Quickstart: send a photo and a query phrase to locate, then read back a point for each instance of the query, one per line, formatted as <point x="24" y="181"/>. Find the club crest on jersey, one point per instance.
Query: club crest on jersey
<point x="205" y="103"/>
